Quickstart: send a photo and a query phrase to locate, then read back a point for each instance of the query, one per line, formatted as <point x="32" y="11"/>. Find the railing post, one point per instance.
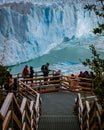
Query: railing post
<point x="39" y="85"/>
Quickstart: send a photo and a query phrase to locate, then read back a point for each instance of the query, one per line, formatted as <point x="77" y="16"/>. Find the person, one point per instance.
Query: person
<point x="25" y="72"/>
<point x="45" y="70"/>
<point x="15" y="86"/>
<point x="56" y="76"/>
<point x="72" y="76"/>
<point x="80" y="74"/>
<point x="57" y="73"/>
<point x="86" y="74"/>
<point x="9" y="83"/>
<point x="92" y="75"/>
<point x="31" y="73"/>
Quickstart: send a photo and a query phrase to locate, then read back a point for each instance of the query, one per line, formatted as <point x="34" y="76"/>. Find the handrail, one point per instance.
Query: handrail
<point x="74" y="84"/>
<point x="37" y="100"/>
<point x="92" y="114"/>
<point x="77" y="84"/>
<point x="36" y="74"/>
<point x="27" y="114"/>
<point x="6" y="104"/>
<point x="66" y="82"/>
<point x="38" y="84"/>
<point x="37" y="94"/>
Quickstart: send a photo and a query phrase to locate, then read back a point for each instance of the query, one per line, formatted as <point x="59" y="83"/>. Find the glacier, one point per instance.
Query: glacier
<point x="31" y="28"/>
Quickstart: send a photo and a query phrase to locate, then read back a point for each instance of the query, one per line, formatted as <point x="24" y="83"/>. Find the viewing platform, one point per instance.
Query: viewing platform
<point x="60" y="103"/>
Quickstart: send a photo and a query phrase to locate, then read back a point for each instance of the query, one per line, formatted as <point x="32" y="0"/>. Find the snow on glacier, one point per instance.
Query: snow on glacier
<point x="30" y="29"/>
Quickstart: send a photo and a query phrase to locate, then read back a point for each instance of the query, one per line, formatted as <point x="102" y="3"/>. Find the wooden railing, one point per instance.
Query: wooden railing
<point x="90" y="113"/>
<point x="77" y="84"/>
<point x="24" y="114"/>
<point x="20" y="114"/>
<point x="74" y="84"/>
<point x="36" y="74"/>
<point x="41" y="84"/>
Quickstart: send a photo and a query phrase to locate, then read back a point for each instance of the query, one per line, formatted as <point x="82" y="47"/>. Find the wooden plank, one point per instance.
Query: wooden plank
<point x="19" y="123"/>
<point x="28" y="116"/>
<point x="76" y="87"/>
<point x="33" y="115"/>
<point x="7" y="120"/>
<point x="48" y="91"/>
<point x="16" y="107"/>
<point x="31" y="105"/>
<point x="86" y="88"/>
<point x="23" y="104"/>
<point x="85" y="92"/>
<point x="24" y="126"/>
<point x="98" y="117"/>
<point x="33" y="124"/>
<point x="66" y="85"/>
<point x="1" y="116"/>
<point x="75" y="82"/>
<point x="23" y="116"/>
<point x="6" y="104"/>
<point x="85" y="125"/>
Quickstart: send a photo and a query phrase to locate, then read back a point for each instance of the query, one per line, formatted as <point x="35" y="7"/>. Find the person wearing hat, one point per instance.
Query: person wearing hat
<point x="45" y="69"/>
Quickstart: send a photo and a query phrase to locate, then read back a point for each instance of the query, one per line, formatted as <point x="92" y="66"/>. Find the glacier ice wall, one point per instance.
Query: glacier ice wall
<point x="29" y="30"/>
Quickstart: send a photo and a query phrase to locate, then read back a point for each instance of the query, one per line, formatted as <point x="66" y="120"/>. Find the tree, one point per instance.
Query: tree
<point x="3" y="74"/>
<point x="98" y="9"/>
<point x="97" y="65"/>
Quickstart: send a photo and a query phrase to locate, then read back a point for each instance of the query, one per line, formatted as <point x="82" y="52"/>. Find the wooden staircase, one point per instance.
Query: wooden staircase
<point x="23" y="111"/>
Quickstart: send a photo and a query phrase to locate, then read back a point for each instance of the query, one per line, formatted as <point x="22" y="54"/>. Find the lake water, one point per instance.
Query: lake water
<point x="65" y="56"/>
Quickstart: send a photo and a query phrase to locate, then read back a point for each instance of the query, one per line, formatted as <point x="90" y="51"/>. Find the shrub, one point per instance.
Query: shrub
<point x="3" y="74"/>
<point x="96" y="64"/>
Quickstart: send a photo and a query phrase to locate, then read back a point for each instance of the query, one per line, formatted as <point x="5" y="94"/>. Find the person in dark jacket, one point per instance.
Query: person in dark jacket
<point x="45" y="70"/>
<point x="31" y="73"/>
<point x="15" y="86"/>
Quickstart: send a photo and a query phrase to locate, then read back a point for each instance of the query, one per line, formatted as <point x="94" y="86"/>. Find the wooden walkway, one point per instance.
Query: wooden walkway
<point x="58" y="95"/>
<point x="57" y="111"/>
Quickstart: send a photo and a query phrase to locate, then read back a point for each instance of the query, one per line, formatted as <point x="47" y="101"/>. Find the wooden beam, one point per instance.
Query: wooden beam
<point x="6" y="104"/>
<point x="7" y="120"/>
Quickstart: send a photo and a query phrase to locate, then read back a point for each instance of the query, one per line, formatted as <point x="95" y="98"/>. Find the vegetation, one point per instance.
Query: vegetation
<point x="98" y="9"/>
<point x="2" y="98"/>
<point x="3" y="74"/>
<point x="3" y="79"/>
<point x="96" y="63"/>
